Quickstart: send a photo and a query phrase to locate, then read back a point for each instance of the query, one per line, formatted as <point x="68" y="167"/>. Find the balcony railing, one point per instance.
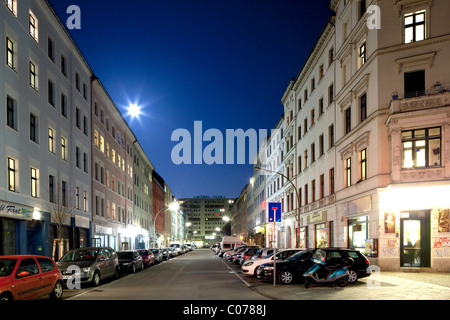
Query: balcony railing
<point x="420" y="100"/>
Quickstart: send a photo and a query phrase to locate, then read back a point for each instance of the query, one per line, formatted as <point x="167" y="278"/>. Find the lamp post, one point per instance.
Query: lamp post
<point x="298" y="200"/>
<point x="173" y="207"/>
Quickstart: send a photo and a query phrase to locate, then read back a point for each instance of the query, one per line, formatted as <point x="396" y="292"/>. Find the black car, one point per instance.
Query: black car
<point x="130" y="260"/>
<point x="292" y="269"/>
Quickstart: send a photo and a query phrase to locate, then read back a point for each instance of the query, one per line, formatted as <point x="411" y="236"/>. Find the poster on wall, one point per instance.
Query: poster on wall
<point x="389" y="222"/>
<point x="443" y="220"/>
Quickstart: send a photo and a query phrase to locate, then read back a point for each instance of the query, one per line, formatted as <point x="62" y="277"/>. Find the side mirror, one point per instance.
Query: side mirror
<point x="22" y="274"/>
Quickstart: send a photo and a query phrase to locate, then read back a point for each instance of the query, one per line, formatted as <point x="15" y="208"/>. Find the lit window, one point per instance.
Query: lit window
<point x="362" y="54"/>
<point x="10" y="55"/>
<point x="363" y="156"/>
<point x="12" y="174"/>
<point x="34" y="182"/>
<point x="415" y="26"/>
<point x="348" y="172"/>
<point x="51" y="140"/>
<point x="33" y="76"/>
<point x="12" y="6"/>
<point x="33" y="26"/>
<point x="63" y="148"/>
<point x="421" y="148"/>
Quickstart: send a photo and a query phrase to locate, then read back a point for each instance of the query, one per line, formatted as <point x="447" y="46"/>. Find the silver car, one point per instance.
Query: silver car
<point x="93" y="264"/>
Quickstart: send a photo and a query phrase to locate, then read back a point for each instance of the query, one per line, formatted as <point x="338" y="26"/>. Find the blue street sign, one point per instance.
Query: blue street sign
<point x="274" y="211"/>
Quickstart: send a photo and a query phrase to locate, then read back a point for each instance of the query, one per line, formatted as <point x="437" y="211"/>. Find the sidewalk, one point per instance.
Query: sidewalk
<point x="383" y="286"/>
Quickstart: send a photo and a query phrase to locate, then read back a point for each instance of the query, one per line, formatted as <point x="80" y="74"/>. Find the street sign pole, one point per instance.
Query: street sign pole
<point x="274" y="217"/>
<point x="274" y="256"/>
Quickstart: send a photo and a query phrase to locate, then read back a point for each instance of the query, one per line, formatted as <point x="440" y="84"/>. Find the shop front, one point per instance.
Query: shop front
<point x="414" y="228"/>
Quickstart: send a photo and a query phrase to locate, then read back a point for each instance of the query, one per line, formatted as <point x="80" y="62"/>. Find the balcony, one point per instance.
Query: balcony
<point x="437" y="97"/>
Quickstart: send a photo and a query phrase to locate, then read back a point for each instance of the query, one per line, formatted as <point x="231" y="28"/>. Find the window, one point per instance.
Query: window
<point x="348" y="120"/>
<point x="28" y="265"/>
<point x="313" y="152"/>
<point x="33" y="128"/>
<point x="51" y="49"/>
<point x="96" y="139"/>
<point x="414" y="84"/>
<point x="331" y="136"/>
<point x="306" y="193"/>
<point x="421" y="148"/>
<point x="321" y="148"/>
<point x="64" y="193"/>
<point x="330" y="56"/>
<point x="77" y="198"/>
<point x="63" y="148"/>
<point x="77" y="157"/>
<point x="33" y="76"/>
<point x="51" y="189"/>
<point x="415" y="26"/>
<point x="330" y="94"/>
<point x="363" y="107"/>
<point x="362" y="55"/>
<point x="322" y="186"/>
<point x="313" y="190"/>
<point x="77" y="81"/>
<point x="305" y="157"/>
<point x="34" y="182"/>
<point x="63" y="105"/>
<point x="51" y="141"/>
<point x="321" y="72"/>
<point x="85" y="201"/>
<point x="46" y="264"/>
<point x="12" y="174"/>
<point x="51" y="93"/>
<point x="348" y="172"/>
<point x="331" y="180"/>
<point x="320" y="106"/>
<point x="363" y="157"/>
<point x="77" y="118"/>
<point x="33" y="28"/>
<point x="12" y="6"/>
<point x="11" y="113"/>
<point x="85" y="162"/>
<point x="362" y="8"/>
<point x="10" y="54"/>
<point x="63" y="65"/>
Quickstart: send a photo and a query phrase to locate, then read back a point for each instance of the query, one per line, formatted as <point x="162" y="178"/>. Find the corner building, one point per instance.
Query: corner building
<point x="369" y="114"/>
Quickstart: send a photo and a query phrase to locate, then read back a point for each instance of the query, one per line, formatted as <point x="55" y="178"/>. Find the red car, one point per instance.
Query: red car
<point x="26" y="277"/>
<point x="147" y="257"/>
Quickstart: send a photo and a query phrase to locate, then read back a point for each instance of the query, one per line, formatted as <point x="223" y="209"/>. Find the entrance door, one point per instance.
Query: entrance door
<point x="415" y="239"/>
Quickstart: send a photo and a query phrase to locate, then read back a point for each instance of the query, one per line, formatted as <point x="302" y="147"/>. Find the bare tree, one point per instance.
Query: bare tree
<point x="60" y="205"/>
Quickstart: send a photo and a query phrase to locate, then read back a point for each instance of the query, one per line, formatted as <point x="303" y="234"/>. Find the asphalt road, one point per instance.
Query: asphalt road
<point x="196" y="275"/>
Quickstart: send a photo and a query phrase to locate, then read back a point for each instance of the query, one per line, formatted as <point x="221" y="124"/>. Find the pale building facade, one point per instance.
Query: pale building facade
<point x="378" y="180"/>
<point x="45" y="131"/>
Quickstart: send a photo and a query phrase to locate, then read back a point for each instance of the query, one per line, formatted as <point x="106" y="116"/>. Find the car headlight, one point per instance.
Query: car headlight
<point x="268" y="268"/>
<point x="248" y="264"/>
<point x="86" y="269"/>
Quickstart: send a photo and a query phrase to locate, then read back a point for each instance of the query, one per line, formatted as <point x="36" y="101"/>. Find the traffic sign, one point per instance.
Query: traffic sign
<point x="274" y="211"/>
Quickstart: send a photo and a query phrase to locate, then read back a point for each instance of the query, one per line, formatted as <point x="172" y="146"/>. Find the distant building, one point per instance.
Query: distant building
<point x="206" y="217"/>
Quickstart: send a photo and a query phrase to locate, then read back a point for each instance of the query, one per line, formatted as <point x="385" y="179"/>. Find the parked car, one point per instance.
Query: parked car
<point x="157" y="254"/>
<point x="293" y="268"/>
<point x="247" y="254"/>
<point x="177" y="246"/>
<point x="26" y="277"/>
<point x="95" y="264"/>
<point x="130" y="260"/>
<point x="264" y="252"/>
<point x="250" y="266"/>
<point x="231" y="253"/>
<point x="147" y="257"/>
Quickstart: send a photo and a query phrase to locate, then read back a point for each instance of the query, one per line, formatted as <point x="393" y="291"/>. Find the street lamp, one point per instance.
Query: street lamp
<point x="298" y="199"/>
<point x="173" y="207"/>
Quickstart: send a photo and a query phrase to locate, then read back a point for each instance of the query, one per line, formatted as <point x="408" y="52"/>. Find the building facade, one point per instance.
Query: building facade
<point x="207" y="217"/>
<point x="368" y="117"/>
<point x="45" y="138"/>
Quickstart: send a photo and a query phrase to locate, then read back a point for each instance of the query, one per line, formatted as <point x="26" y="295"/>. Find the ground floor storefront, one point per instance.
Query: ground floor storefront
<point x="401" y="227"/>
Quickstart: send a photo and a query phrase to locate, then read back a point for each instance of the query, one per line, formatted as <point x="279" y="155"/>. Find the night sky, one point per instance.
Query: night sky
<point x="226" y="63"/>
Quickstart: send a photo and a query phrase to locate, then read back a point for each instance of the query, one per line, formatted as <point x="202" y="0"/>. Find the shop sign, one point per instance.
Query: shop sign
<point x="319" y="216"/>
<point x="10" y="210"/>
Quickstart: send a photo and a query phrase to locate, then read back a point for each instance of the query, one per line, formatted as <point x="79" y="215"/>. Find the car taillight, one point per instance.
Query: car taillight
<point x="367" y="262"/>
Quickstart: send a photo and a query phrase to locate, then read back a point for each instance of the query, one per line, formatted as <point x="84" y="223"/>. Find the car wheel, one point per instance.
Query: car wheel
<point x="6" y="296"/>
<point x="96" y="279"/>
<point x="285" y="277"/>
<point x="116" y="273"/>
<point x="343" y="282"/>
<point x="352" y="276"/>
<point x="57" y="292"/>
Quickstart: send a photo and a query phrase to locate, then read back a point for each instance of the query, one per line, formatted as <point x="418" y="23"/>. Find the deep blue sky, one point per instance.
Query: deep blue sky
<point x="226" y="63"/>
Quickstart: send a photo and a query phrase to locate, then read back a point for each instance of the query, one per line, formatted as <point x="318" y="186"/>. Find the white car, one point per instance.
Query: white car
<point x="249" y="267"/>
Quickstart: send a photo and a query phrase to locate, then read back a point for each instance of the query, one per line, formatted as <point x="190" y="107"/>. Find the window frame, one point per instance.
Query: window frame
<point x="426" y="147"/>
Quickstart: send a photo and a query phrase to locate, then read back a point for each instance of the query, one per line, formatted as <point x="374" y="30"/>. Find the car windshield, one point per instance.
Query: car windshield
<point x="155" y="250"/>
<point x="125" y="255"/>
<point x="80" y="255"/>
<point x="143" y="252"/>
<point x="7" y="266"/>
<point x="296" y="256"/>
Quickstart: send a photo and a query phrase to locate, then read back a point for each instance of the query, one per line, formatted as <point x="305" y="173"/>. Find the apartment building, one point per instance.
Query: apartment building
<point x="45" y="132"/>
<point x="368" y="113"/>
<point x="206" y="217"/>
